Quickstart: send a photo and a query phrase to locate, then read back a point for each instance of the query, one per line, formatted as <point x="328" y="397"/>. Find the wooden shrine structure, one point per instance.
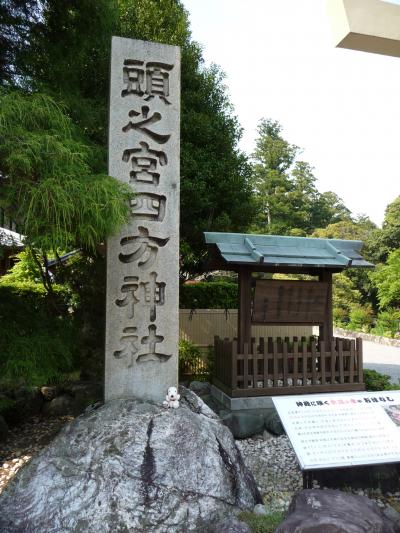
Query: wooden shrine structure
<point x="246" y="366"/>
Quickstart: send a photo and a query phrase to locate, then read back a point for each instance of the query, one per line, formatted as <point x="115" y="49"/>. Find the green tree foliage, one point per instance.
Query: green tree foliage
<point x="24" y="271"/>
<point x="165" y="21"/>
<point x="63" y="67"/>
<point x="36" y="346"/>
<point x="387" y="323"/>
<point x="273" y="157"/>
<point x="68" y="58"/>
<point x="345" y="298"/>
<point x="47" y="183"/>
<point x="215" y="188"/>
<point x="385" y="240"/>
<point x="361" y="318"/>
<point x="387" y="281"/>
<point x="17" y="17"/>
<point x="85" y="277"/>
<point x="329" y="209"/>
<point x="359" y="229"/>
<point x="209" y="295"/>
<point x="287" y="199"/>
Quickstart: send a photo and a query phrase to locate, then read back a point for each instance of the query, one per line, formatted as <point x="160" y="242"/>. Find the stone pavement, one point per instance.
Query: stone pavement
<point x="383" y="359"/>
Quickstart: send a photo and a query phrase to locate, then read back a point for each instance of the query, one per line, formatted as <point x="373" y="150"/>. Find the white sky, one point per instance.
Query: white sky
<point x="342" y="107"/>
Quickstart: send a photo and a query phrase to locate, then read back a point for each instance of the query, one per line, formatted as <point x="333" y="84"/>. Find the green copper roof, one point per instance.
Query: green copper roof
<point x="276" y="250"/>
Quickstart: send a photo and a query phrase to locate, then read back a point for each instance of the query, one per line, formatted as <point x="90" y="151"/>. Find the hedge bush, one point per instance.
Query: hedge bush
<point x="209" y="295"/>
<point x="375" y="381"/>
<point x="37" y="344"/>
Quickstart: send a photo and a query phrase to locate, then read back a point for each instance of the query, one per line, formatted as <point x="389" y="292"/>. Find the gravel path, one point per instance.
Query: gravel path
<point x="275" y="469"/>
<point x="383" y="359"/>
<point x="278" y="476"/>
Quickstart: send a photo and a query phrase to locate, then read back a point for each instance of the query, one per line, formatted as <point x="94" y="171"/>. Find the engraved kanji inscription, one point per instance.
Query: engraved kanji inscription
<point x="154" y="294"/>
<point x="129" y="288"/>
<point x="140" y="125"/>
<point x="133" y="76"/>
<point x="150" y="293"/>
<point x="149" y="81"/>
<point x="149" y="206"/>
<point x="145" y="163"/>
<point x="145" y="247"/>
<point x="151" y="340"/>
<point x="129" y="350"/>
<point x="157" y="80"/>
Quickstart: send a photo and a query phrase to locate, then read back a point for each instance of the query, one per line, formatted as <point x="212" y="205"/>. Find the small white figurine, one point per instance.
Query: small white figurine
<point x="172" y="398"/>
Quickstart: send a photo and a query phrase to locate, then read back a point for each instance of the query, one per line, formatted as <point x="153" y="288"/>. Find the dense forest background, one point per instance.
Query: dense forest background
<point x="54" y="69"/>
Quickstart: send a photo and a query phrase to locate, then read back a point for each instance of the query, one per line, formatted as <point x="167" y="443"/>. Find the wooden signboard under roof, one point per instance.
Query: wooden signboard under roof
<point x="290" y="302"/>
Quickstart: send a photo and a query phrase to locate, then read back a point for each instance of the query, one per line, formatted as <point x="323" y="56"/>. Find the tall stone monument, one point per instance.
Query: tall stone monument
<point x="142" y="323"/>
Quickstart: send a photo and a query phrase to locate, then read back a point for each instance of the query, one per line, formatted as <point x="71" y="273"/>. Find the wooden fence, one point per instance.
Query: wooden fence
<point x="274" y="367"/>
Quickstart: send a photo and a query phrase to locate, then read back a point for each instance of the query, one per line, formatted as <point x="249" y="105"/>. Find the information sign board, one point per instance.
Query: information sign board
<point x="342" y="429"/>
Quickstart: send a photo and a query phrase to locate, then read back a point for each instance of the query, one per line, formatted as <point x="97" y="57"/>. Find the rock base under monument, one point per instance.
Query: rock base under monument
<point x="132" y="466"/>
<point x="334" y="511"/>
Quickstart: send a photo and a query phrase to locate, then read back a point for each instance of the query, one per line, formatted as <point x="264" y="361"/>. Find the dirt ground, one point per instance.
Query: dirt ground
<point x="24" y="441"/>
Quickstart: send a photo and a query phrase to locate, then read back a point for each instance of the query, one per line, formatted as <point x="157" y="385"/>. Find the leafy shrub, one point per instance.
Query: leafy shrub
<point x="24" y="270"/>
<point x="340" y="317"/>
<point x="345" y="298"/>
<point x="209" y="295"/>
<point x="86" y="278"/>
<point x="375" y="381"/>
<point x="386" y="278"/>
<point x="360" y="318"/>
<point x="37" y="345"/>
<point x="387" y="323"/>
<point x="191" y="361"/>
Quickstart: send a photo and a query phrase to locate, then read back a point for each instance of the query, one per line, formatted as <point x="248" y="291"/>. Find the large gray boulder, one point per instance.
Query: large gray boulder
<point x="132" y="466"/>
<point x="333" y="511"/>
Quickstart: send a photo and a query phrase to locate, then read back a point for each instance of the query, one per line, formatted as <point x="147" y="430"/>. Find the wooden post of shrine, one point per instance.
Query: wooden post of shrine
<point x="244" y="314"/>
<point x="326" y="331"/>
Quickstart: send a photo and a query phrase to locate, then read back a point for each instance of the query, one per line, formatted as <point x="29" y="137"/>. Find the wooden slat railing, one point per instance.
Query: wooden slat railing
<point x="276" y="366"/>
